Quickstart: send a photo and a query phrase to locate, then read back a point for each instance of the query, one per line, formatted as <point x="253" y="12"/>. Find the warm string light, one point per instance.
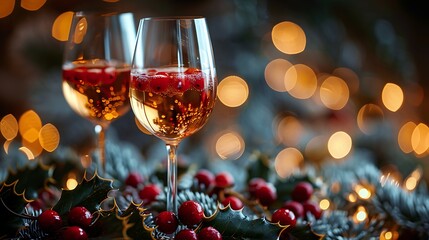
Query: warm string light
<point x="230" y="145"/>
<point x="360" y="215"/>
<point x="288" y="161"/>
<point x="71" y="182"/>
<point x="339" y="144"/>
<point x="388" y="234"/>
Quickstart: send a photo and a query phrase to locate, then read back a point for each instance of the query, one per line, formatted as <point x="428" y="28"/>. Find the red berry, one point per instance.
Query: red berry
<point x="167" y="222"/>
<point x="266" y="194"/>
<point x="186" y="234"/>
<point x="134" y="179"/>
<point x="199" y="82"/>
<point x="73" y="233"/>
<point x="159" y="83"/>
<point x="284" y="217"/>
<point x="313" y="209"/>
<point x="109" y="75"/>
<point x="254" y="184"/>
<point x="80" y="216"/>
<point x="224" y="180"/>
<point x="50" y="221"/>
<point x="209" y="233"/>
<point x="205" y="178"/>
<point x="234" y="202"/>
<point x="295" y="207"/>
<point x="93" y="76"/>
<point x="180" y="82"/>
<point x="190" y="213"/>
<point x="302" y="191"/>
<point x="149" y="193"/>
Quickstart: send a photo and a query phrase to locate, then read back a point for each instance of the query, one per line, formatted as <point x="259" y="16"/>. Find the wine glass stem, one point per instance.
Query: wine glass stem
<point x="172" y="178"/>
<point x="100" y="132"/>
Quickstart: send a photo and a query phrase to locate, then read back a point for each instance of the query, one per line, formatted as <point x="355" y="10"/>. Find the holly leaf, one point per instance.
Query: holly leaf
<point x="89" y="194"/>
<point x="30" y="179"/>
<point x="133" y="219"/>
<point x="303" y="231"/>
<point x="11" y="202"/>
<point x="259" y="167"/>
<point x="234" y="224"/>
<point x="285" y="186"/>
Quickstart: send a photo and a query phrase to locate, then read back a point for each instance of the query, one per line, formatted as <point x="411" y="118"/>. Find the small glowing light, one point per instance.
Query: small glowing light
<point x="413" y="179"/>
<point x="32" y="5"/>
<point x="392" y="96"/>
<point x="339" y="144"/>
<point x="334" y="93"/>
<point x="230" y="146"/>
<point x="71" y="183"/>
<point x="86" y="161"/>
<point x="420" y="138"/>
<point x="275" y="72"/>
<point x="80" y="31"/>
<point x="368" y="117"/>
<point x="305" y="81"/>
<point x="233" y="91"/>
<point x="6" y="8"/>
<point x="61" y="26"/>
<point x="361" y="214"/>
<point x="9" y="127"/>
<point x="27" y="152"/>
<point x="324" y="204"/>
<point x="389" y="235"/>
<point x="349" y="76"/>
<point x="288" y="37"/>
<point x="289" y="131"/>
<point x="405" y="135"/>
<point x="362" y="192"/>
<point x="49" y="137"/>
<point x="287" y="161"/>
<point x="352" y="197"/>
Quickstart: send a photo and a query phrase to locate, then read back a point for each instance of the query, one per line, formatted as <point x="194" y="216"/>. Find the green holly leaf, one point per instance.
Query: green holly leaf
<point x="89" y="194"/>
<point x="285" y="186"/>
<point x="30" y="179"/>
<point x="303" y="231"/>
<point x="259" y="167"/>
<point x="133" y="218"/>
<point x="11" y="202"/>
<point x="234" y="224"/>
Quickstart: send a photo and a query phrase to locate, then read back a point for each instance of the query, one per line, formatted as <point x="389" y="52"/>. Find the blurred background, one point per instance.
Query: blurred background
<point x="305" y="82"/>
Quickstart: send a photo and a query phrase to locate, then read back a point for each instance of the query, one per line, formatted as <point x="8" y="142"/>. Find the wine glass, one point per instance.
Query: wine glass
<point x="173" y="83"/>
<point x="96" y="69"/>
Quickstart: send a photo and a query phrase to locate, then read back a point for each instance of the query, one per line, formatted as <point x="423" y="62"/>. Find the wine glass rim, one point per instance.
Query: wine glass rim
<point x="99" y="13"/>
<point x="173" y="18"/>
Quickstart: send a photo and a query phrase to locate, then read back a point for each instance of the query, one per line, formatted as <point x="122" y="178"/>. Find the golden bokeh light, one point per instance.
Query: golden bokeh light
<point x="288" y="161"/>
<point x="61" y="26"/>
<point x="389" y="235"/>
<point x="275" y="72"/>
<point x="49" y="137"/>
<point x="339" y="144"/>
<point x="233" y="91"/>
<point x="35" y="147"/>
<point x="71" y="182"/>
<point x="32" y="5"/>
<point x="30" y="125"/>
<point x="86" y="161"/>
<point x="289" y="131"/>
<point x="27" y="152"/>
<point x="6" y="8"/>
<point x="404" y="137"/>
<point x="324" y="204"/>
<point x="362" y="192"/>
<point x="349" y="76"/>
<point x="368" y="117"/>
<point x="334" y="93"/>
<point x="413" y="179"/>
<point x="420" y="138"/>
<point x="288" y="37"/>
<point x="301" y="81"/>
<point x="360" y="214"/>
<point x="80" y="31"/>
<point x="230" y="145"/>
<point x="316" y="149"/>
<point x="6" y="146"/>
<point x="9" y="127"/>
<point x="392" y="96"/>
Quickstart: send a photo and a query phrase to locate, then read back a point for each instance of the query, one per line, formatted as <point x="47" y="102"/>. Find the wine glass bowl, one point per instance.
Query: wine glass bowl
<point x="173" y="83"/>
<point x="96" y="68"/>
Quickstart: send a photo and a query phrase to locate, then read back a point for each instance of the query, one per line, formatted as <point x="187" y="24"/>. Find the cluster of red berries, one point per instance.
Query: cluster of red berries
<point x="262" y="191"/>
<point x="190" y="214"/>
<point x="215" y="183"/>
<point x="79" y="219"/>
<point x="147" y="193"/>
<point x="301" y="204"/>
<point x="90" y="76"/>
